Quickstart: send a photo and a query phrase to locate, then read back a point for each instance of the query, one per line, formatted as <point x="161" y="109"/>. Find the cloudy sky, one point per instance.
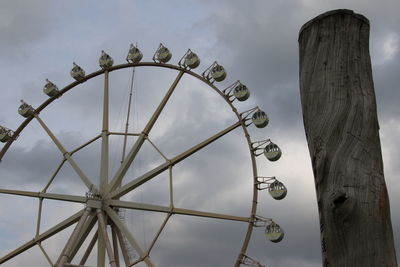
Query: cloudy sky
<point x="256" y="42"/>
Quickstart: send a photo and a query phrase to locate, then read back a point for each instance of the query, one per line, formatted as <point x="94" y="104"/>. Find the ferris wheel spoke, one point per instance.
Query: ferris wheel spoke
<point x="151" y="174"/>
<point x="66" y="253"/>
<point x="69" y="198"/>
<point x="139" y="181"/>
<point x="124" y="230"/>
<point x="204" y="143"/>
<point x="173" y="210"/>
<point x="122" y="244"/>
<point x="85" y="232"/>
<point x="210" y="215"/>
<point x="104" y="137"/>
<point x="139" y="206"/>
<point x="89" y="249"/>
<point x="49" y="233"/>
<point x="115" y="245"/>
<point x="117" y="179"/>
<point x="106" y="239"/>
<point x="162" y="104"/>
<point x="66" y="154"/>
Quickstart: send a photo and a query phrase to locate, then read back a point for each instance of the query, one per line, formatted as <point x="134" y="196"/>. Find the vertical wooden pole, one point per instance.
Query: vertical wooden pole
<point x="340" y="120"/>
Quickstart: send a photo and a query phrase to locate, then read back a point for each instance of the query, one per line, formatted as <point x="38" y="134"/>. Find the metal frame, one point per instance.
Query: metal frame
<point x="102" y="203"/>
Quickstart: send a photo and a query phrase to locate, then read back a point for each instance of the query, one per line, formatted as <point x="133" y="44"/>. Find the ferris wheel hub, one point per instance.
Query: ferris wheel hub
<point x="94" y="203"/>
<point x="94" y="200"/>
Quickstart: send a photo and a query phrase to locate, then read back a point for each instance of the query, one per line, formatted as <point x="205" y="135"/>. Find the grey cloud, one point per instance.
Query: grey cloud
<point x="257" y="43"/>
<point x="23" y="26"/>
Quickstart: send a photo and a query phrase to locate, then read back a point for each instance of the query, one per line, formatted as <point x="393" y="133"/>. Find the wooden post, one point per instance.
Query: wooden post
<point x="342" y="130"/>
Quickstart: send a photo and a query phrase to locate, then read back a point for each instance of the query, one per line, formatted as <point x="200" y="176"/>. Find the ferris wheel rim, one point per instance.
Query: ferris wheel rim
<point x="184" y="70"/>
<point x="98" y="73"/>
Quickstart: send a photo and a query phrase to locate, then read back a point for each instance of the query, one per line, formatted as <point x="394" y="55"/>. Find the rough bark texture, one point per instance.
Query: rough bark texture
<point x="340" y="120"/>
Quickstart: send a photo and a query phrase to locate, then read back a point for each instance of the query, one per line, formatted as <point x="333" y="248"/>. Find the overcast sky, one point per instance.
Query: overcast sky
<point x="256" y="42"/>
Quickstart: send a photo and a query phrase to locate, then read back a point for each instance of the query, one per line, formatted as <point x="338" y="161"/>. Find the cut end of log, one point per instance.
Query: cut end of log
<point x="331" y="13"/>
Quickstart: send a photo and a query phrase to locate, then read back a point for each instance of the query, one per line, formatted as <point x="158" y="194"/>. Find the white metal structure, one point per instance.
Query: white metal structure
<point x="103" y="199"/>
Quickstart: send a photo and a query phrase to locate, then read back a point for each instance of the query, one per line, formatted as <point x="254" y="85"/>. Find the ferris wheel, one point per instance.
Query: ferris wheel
<point x="102" y="221"/>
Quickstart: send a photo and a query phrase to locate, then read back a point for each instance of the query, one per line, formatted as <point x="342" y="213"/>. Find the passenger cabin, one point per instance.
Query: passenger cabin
<point x="272" y="152"/>
<point x="241" y="92"/>
<point x="218" y="73"/>
<point x="25" y="110"/>
<point x="192" y="60"/>
<point x="5" y="134"/>
<point x="77" y="72"/>
<point x="274" y="232"/>
<point x="50" y="88"/>
<point x="105" y="61"/>
<point x="134" y="55"/>
<point x="260" y="119"/>
<point x="277" y="190"/>
<point x="162" y="55"/>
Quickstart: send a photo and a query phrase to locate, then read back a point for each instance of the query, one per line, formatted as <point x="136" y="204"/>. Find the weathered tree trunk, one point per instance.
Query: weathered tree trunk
<point x="340" y="120"/>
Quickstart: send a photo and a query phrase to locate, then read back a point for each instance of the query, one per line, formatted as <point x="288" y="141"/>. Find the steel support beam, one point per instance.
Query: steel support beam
<point x="69" y="198"/>
<point x="89" y="249"/>
<point x="124" y="250"/>
<point x="151" y="174"/>
<point x="66" y="154"/>
<point x="65" y="255"/>
<point x="173" y="210"/>
<point x="49" y="233"/>
<point x="107" y="242"/>
<point x="117" y="179"/>
<point x="101" y="249"/>
<point x="85" y="232"/>
<point x="115" y="245"/>
<point x="121" y="226"/>
<point x="104" y="138"/>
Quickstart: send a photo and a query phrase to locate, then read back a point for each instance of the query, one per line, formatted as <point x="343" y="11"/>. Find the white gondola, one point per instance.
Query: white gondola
<point x="218" y="72"/>
<point x="277" y="190"/>
<point x="192" y="60"/>
<point x="241" y="92"/>
<point x="77" y="72"/>
<point x="25" y="110"/>
<point x="5" y="134"/>
<point x="134" y="55"/>
<point x="50" y="88"/>
<point x="105" y="61"/>
<point x="260" y="119"/>
<point x="162" y="55"/>
<point x="274" y="232"/>
<point x="272" y="152"/>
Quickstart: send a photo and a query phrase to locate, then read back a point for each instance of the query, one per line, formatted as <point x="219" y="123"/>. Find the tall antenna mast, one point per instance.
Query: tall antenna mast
<point x="127" y="116"/>
<point x="126" y="247"/>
